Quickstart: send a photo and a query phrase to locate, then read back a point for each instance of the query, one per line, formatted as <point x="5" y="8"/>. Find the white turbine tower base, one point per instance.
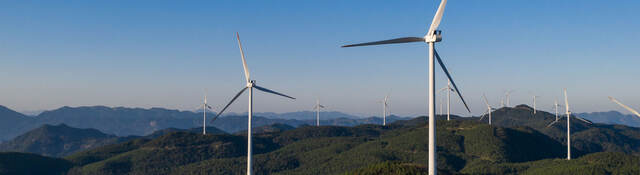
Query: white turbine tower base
<point x="250" y="85"/>
<point x="433" y="35"/>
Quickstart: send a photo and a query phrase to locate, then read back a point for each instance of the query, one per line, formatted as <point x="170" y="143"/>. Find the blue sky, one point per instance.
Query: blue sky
<point x="164" y="54"/>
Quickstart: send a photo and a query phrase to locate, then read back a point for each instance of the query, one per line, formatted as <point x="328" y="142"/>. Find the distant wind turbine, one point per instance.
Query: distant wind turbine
<point x="625" y="106"/>
<point x="433" y="35"/>
<point x="555" y="106"/>
<point x="489" y="109"/>
<point x="507" y="95"/>
<point x="250" y="85"/>
<point x="448" y="89"/>
<point x="205" y="108"/>
<point x="385" y="109"/>
<point x="534" y="104"/>
<point x="566" y="103"/>
<point x="317" y="108"/>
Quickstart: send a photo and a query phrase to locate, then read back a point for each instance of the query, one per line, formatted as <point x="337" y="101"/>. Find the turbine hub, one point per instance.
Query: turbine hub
<point x="436" y="36"/>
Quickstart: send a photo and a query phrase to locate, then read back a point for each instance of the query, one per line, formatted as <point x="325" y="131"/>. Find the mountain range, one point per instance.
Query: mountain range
<point x="518" y="142"/>
<point x="121" y="121"/>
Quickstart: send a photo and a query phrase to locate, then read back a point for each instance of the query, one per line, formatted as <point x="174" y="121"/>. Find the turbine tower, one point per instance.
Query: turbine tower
<point x="534" y="104"/>
<point x="625" y="106"/>
<point x="250" y="85"/>
<point x="489" y="109"/>
<point x="433" y="35"/>
<point x="568" y="113"/>
<point x="317" y="108"/>
<point x="449" y="90"/>
<point x="205" y="108"/>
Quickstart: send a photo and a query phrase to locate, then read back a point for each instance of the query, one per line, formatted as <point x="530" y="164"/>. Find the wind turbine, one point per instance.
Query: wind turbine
<point x="250" y="85"/>
<point x="625" y="106"/>
<point x="566" y="103"/>
<point x="556" y="105"/>
<point x="205" y="108"/>
<point x="449" y="90"/>
<point x="508" y="97"/>
<point x="385" y="109"/>
<point x="489" y="109"/>
<point x="433" y="35"/>
<point x="534" y="104"/>
<point x="317" y="108"/>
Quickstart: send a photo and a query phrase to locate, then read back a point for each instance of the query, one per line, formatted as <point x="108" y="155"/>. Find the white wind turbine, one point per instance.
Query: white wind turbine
<point x="568" y="115"/>
<point x="507" y="95"/>
<point x="385" y="109"/>
<point x="205" y="108"/>
<point x="448" y="89"/>
<point x="625" y="106"/>
<point x="489" y="109"/>
<point x="317" y="108"/>
<point x="555" y="106"/>
<point x="433" y="35"/>
<point x="250" y="85"/>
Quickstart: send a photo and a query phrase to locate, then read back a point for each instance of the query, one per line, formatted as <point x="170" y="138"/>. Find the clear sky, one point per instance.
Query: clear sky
<point x="165" y="53"/>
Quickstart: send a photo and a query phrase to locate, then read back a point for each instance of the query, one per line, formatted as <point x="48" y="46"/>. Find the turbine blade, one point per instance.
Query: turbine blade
<point x="225" y="107"/>
<point x="391" y="41"/>
<point x="625" y="106"/>
<point x="273" y="92"/>
<point x="550" y="124"/>
<point x="444" y="68"/>
<point x="437" y="18"/>
<point x="321" y="106"/>
<point x="566" y="100"/>
<point x="485" y="100"/>
<point x="244" y="62"/>
<point x="584" y="120"/>
<point x="209" y="107"/>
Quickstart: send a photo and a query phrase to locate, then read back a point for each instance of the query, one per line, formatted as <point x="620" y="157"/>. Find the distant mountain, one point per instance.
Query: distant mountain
<point x="121" y="121"/>
<point x="612" y="117"/>
<point x="13" y="123"/>
<point x="306" y="115"/>
<point x="59" y="140"/>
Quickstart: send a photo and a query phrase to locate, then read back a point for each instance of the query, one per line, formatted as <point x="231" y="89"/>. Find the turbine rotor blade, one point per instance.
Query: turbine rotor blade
<point x="437" y="18"/>
<point x="550" y="124"/>
<point x="270" y="91"/>
<point x="391" y="41"/>
<point x="232" y="100"/>
<point x="485" y="101"/>
<point x="625" y="106"/>
<point x="244" y="62"/>
<point x="584" y="120"/>
<point x="444" y="68"/>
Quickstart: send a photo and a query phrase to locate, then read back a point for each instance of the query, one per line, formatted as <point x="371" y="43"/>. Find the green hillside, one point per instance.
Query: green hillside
<point x="320" y="150"/>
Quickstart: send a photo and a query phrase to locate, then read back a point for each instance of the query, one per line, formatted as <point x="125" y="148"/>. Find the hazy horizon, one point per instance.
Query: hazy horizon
<point x="164" y="54"/>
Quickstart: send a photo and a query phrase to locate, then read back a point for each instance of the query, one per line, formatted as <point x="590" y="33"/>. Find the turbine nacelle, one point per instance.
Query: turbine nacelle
<point x="251" y="83"/>
<point x="436" y="36"/>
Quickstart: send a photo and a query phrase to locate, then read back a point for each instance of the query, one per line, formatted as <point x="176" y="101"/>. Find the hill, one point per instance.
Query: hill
<point x="308" y="150"/>
<point x="612" y="117"/>
<point x="13" y="123"/>
<point x="59" y="140"/>
<point x="26" y="163"/>
<point x="585" y="138"/>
